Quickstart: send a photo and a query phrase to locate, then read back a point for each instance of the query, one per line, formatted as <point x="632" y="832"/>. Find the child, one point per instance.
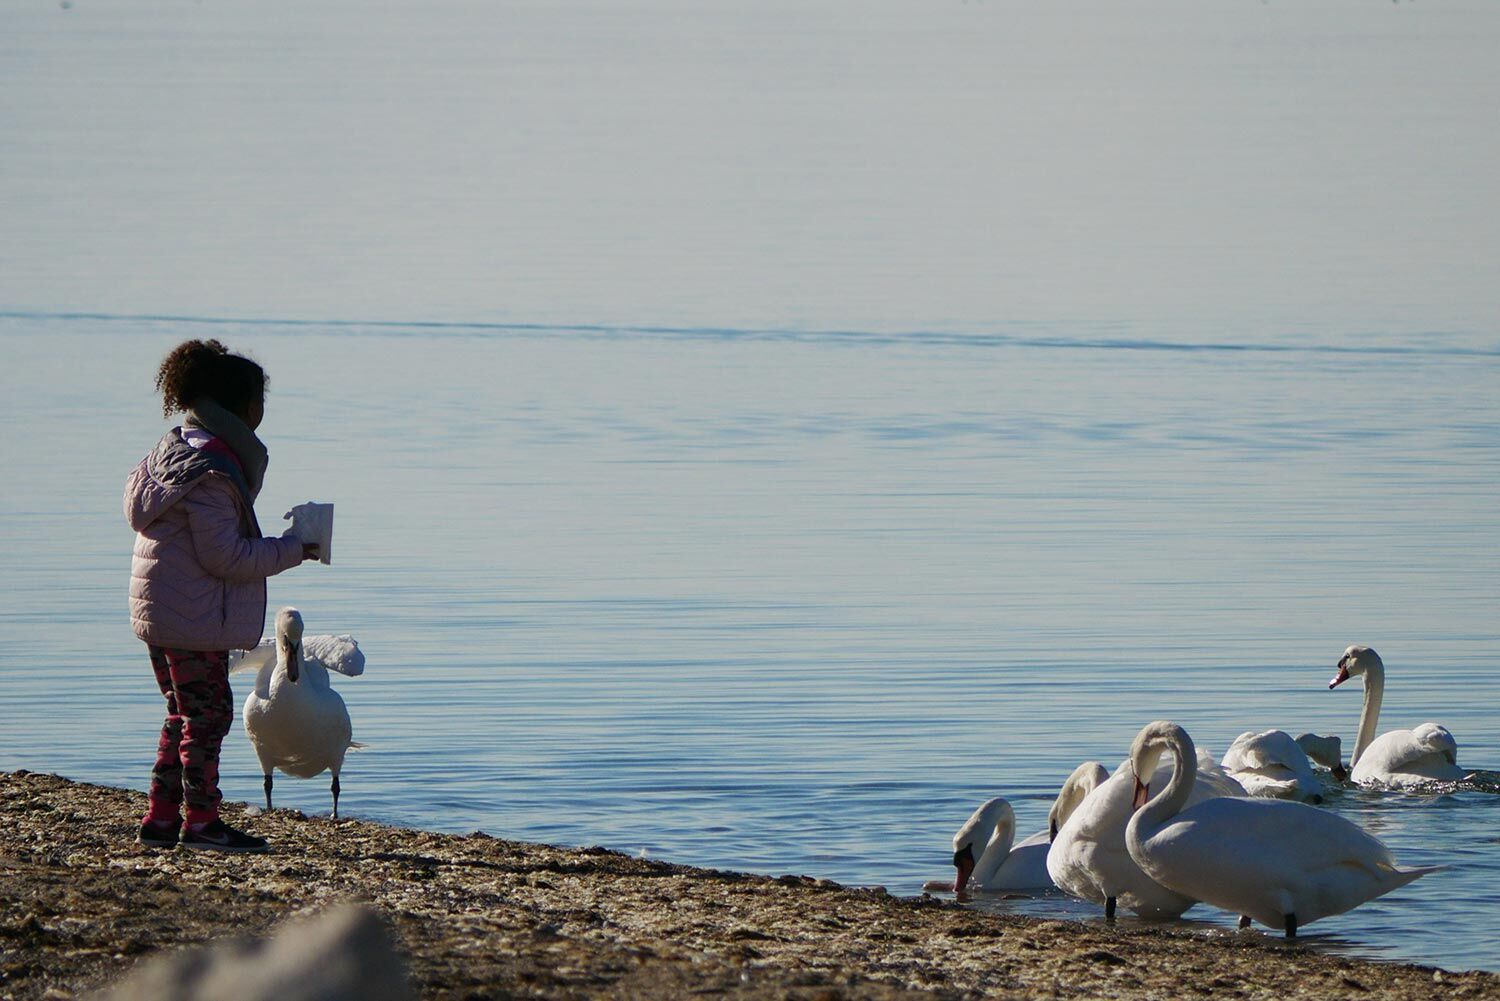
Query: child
<point x="198" y="578"/>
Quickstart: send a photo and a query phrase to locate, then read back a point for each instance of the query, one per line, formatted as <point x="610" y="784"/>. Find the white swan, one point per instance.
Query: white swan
<point x="1427" y="753"/>
<point x="985" y="855"/>
<point x="1075" y="789"/>
<point x="295" y="721"/>
<point x="1282" y="863"/>
<point x="1326" y="750"/>
<point x="1089" y="860"/>
<point x="1000" y="863"/>
<point x="1271" y="763"/>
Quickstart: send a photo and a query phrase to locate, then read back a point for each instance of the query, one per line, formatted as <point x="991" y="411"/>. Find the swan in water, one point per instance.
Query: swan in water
<point x="1089" y="860"/>
<point x="1326" y="750"/>
<point x="1271" y="763"/>
<point x="985" y="855"/>
<point x="1000" y="863"/>
<point x="1425" y="754"/>
<point x="1285" y="864"/>
<point x="295" y="720"/>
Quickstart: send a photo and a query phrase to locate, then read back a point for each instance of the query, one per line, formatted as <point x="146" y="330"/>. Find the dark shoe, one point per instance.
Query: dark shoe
<point x="155" y="835"/>
<point x="218" y="836"/>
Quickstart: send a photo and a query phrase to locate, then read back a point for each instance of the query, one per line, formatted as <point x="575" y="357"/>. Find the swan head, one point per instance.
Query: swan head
<point x="1326" y="751"/>
<point x="969" y="843"/>
<point x="1146" y="751"/>
<point x="1357" y="661"/>
<point x="288" y="640"/>
<point x="1075" y="789"/>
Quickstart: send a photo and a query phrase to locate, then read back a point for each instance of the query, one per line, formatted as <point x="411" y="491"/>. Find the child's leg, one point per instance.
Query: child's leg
<point x="164" y="798"/>
<point x="200" y="681"/>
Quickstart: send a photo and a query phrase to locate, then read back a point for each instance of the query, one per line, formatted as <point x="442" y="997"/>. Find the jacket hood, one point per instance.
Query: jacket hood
<point x="166" y="475"/>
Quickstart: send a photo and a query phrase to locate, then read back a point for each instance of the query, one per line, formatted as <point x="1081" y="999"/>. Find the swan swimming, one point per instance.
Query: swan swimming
<point x="1089" y="860"/>
<point x="985" y="855"/>
<point x="1419" y="756"/>
<point x="295" y="720"/>
<point x="1326" y="750"/>
<point x="1271" y="763"/>
<point x="1283" y="863"/>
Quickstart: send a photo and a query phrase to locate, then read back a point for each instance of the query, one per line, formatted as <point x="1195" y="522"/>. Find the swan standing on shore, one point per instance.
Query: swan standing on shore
<point x="1425" y="754"/>
<point x="1282" y="863"/>
<point x="1076" y="788"/>
<point x="295" y="720"/>
<point x="1271" y="763"/>
<point x="1089" y="860"/>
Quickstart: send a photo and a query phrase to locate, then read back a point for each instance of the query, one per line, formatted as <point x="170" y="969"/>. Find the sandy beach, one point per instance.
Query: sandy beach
<point x="479" y="916"/>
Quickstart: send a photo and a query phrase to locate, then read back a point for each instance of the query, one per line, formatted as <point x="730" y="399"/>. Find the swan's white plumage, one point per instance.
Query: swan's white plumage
<point x="1267" y="859"/>
<point x="1325" y="750"/>
<point x="983" y="849"/>
<point x="1075" y="789"/>
<point x="1425" y="753"/>
<point x="1271" y="763"/>
<point x="988" y="839"/>
<point x="1419" y="756"/>
<point x="1089" y="860"/>
<point x="333" y="653"/>
<point x="300" y="726"/>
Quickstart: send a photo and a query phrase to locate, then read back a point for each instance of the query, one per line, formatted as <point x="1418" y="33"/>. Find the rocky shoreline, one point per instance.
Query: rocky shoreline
<point x="478" y="917"/>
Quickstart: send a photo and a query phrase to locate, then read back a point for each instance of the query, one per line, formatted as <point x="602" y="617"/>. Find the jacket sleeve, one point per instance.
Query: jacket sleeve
<point x="214" y="520"/>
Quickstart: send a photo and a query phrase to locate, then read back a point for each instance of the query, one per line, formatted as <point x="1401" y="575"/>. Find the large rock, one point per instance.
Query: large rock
<point x="343" y="954"/>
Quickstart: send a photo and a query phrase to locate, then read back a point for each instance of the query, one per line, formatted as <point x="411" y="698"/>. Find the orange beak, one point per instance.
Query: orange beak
<point x="1142" y="794"/>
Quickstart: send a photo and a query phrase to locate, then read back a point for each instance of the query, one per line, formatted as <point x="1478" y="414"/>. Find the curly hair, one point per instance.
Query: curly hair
<point x="196" y="369"/>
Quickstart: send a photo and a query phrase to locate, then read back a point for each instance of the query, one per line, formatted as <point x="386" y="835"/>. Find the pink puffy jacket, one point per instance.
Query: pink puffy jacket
<point x="198" y="576"/>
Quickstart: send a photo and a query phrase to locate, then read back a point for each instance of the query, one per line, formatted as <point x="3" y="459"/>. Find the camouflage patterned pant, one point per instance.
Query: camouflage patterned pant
<point x="199" y="710"/>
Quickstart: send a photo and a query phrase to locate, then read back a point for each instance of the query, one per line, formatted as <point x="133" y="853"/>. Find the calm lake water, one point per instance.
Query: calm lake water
<point x="798" y="604"/>
<point x="760" y="432"/>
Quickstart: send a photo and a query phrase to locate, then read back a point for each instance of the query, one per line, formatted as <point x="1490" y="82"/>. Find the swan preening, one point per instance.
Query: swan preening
<point x="1242" y="837"/>
<point x="295" y="720"/>
<point x="1419" y="756"/>
<point x="1282" y="863"/>
<point x="1089" y="859"/>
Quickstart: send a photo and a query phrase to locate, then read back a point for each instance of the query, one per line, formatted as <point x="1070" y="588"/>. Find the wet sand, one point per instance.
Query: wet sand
<point x="481" y="917"/>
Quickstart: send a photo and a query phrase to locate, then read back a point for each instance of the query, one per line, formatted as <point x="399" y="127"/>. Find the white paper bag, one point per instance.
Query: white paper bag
<point x="314" y="523"/>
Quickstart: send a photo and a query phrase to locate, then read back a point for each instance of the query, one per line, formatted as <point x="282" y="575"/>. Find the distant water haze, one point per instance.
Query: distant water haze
<point x="872" y="165"/>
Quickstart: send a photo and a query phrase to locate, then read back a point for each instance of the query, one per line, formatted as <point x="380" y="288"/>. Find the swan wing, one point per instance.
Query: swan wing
<point x="1269" y="858"/>
<point x="1261" y="751"/>
<point x="254" y="659"/>
<point x="340" y="654"/>
<point x="1271" y="763"/>
<point x="1025" y="868"/>
<point x="1434" y="739"/>
<point x="1404" y="757"/>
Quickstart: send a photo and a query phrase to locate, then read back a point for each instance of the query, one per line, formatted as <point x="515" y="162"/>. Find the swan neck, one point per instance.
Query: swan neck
<point x="995" y="852"/>
<point x="1170" y="801"/>
<point x="1369" y="715"/>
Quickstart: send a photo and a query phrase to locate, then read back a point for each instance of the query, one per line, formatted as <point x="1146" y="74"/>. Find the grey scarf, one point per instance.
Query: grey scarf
<point x="225" y="426"/>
